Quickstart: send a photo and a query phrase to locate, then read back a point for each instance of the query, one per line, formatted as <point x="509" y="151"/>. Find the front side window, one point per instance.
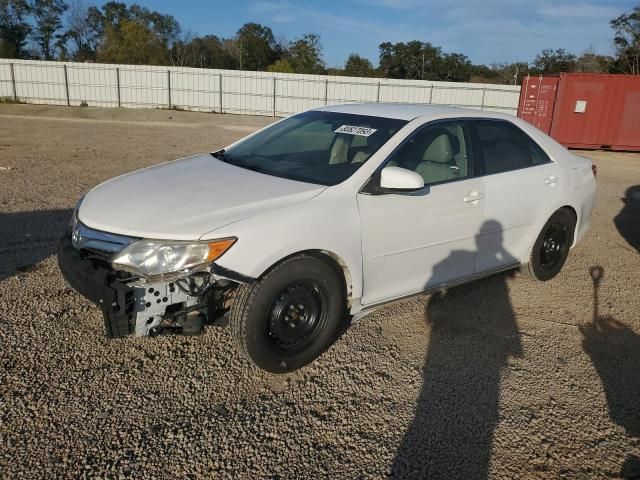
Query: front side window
<point x="318" y="147"/>
<point x="439" y="153"/>
<point x="503" y="147"/>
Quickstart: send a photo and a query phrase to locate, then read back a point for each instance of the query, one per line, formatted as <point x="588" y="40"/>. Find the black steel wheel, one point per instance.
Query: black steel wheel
<point x="552" y="246"/>
<point x="290" y="316"/>
<point x="297" y="315"/>
<point x="554" y="243"/>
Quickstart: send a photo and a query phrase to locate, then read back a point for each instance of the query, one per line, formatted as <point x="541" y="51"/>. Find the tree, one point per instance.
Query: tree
<point x="422" y="61"/>
<point x="132" y="43"/>
<point x="47" y="17"/>
<point x="411" y="60"/>
<point x="113" y="15"/>
<point x="358" y="66"/>
<point x="281" y="66"/>
<point x="109" y="33"/>
<point x="305" y="55"/>
<point x="81" y="32"/>
<point x="204" y="52"/>
<point x="509" y="73"/>
<point x="627" y="41"/>
<point x="166" y="27"/>
<point x="257" y="47"/>
<point x="14" y="28"/>
<point x="591" y="62"/>
<point x="550" y="61"/>
<point x="456" y="67"/>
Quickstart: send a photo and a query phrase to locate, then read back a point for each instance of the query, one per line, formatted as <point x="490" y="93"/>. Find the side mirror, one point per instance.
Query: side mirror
<point x="398" y="178"/>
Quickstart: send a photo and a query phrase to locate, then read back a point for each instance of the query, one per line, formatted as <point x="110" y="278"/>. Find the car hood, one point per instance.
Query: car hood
<point x="184" y="199"/>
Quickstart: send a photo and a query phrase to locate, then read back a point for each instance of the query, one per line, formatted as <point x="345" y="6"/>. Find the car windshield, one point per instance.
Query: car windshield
<point x="317" y="147"/>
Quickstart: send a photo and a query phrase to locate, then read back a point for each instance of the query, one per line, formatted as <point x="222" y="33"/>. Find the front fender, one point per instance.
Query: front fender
<point x="329" y="222"/>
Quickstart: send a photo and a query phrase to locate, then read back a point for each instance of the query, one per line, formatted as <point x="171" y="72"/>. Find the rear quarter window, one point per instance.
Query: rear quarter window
<point x="501" y="146"/>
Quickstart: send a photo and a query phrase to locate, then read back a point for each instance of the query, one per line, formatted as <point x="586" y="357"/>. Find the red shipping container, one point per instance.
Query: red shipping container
<point x="585" y="110"/>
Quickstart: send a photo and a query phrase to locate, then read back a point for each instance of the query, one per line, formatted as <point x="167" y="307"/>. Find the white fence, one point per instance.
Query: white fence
<point x="228" y="91"/>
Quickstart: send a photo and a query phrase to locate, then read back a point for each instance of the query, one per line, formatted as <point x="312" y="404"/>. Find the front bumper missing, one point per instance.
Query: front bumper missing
<point x="101" y="286"/>
<point x="129" y="306"/>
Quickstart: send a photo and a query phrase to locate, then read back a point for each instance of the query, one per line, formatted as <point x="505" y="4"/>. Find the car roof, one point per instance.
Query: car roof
<point x="407" y="111"/>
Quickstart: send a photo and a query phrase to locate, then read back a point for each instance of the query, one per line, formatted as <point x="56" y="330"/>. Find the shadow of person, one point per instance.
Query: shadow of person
<point x="473" y="334"/>
<point x="28" y="238"/>
<point x="614" y="350"/>
<point x="628" y="220"/>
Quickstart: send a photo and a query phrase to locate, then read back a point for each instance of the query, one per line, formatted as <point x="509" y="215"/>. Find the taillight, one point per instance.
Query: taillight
<point x="594" y="169"/>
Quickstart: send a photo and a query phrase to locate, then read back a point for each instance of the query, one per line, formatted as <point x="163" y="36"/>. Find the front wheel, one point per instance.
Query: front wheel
<point x="551" y="248"/>
<point x="290" y="316"/>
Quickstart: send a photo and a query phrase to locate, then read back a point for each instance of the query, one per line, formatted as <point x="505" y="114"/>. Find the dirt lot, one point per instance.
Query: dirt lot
<point x="500" y="378"/>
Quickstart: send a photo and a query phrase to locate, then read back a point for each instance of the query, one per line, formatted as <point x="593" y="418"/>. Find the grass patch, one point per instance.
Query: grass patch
<point x="10" y="100"/>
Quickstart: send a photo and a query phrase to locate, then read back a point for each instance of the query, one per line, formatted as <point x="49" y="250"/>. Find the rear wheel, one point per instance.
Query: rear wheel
<point x="290" y="316"/>
<point x="551" y="248"/>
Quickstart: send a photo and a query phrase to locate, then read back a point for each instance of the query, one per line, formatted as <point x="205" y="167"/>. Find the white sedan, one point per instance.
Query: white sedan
<point x="323" y="216"/>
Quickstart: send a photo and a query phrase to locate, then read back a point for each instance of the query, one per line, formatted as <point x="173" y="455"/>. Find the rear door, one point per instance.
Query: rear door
<point x="520" y="181"/>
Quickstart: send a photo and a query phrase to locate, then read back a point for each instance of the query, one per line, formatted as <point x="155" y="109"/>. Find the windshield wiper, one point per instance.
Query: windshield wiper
<point x="222" y="157"/>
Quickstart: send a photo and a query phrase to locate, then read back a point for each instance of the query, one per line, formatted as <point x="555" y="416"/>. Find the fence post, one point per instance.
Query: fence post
<point x="66" y="85"/>
<point x="326" y="91"/>
<point x="274" y="96"/>
<point x="13" y="83"/>
<point x="378" y="94"/>
<point x="431" y="95"/>
<point x="220" y="90"/>
<point x="484" y="90"/>
<point x="118" y="86"/>
<point x="169" y="87"/>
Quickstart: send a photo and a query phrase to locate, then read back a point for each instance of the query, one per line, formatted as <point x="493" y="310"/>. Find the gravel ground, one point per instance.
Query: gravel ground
<point x="501" y="378"/>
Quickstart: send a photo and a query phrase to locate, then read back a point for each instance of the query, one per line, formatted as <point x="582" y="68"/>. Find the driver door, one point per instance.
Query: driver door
<point x="412" y="241"/>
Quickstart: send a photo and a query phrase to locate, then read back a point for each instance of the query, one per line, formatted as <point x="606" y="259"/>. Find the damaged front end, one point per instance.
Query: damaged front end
<point x="147" y="287"/>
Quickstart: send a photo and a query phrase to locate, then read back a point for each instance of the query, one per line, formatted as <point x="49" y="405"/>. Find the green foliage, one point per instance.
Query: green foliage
<point x="281" y="66"/>
<point x="47" y="17"/>
<point x="133" y="42"/>
<point x="14" y="28"/>
<point x="591" y="62"/>
<point x="422" y="61"/>
<point x="507" y="73"/>
<point x="257" y="47"/>
<point x="204" y="52"/>
<point x="80" y="32"/>
<point x="305" y="55"/>
<point x="10" y="100"/>
<point x="357" y="66"/>
<point x="549" y="61"/>
<point x="627" y="41"/>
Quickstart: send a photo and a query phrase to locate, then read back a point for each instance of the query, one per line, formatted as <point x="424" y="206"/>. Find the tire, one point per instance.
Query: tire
<point x="290" y="316"/>
<point x="551" y="248"/>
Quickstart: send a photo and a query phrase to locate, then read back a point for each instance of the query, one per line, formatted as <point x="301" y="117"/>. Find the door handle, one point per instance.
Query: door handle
<point x="551" y="180"/>
<point x="473" y="197"/>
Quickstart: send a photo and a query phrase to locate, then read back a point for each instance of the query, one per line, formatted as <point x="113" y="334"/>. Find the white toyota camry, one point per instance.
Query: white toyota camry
<point x="322" y="216"/>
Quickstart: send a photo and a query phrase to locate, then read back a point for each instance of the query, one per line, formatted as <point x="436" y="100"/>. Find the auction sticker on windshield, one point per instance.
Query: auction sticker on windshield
<point x="352" y="130"/>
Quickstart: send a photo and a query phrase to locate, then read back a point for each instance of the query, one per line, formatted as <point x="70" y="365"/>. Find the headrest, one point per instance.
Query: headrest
<point x="340" y="150"/>
<point x="439" y="150"/>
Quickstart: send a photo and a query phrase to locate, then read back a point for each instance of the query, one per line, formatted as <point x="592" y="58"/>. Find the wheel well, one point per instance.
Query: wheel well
<point x="571" y="211"/>
<point x="331" y="259"/>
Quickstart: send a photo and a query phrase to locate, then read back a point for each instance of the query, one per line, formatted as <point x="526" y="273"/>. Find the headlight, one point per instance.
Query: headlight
<point x="167" y="260"/>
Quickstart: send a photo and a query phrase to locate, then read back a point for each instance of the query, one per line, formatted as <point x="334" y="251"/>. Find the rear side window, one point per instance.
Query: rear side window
<point x="500" y="146"/>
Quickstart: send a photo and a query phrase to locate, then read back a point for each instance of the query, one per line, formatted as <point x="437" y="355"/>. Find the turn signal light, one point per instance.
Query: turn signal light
<point x="218" y="247"/>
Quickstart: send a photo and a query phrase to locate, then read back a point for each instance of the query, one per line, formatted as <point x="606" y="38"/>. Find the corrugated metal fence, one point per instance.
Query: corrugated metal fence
<point x="228" y="91"/>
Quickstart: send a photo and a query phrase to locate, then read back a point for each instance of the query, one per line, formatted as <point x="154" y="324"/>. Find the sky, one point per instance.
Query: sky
<point x="487" y="31"/>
